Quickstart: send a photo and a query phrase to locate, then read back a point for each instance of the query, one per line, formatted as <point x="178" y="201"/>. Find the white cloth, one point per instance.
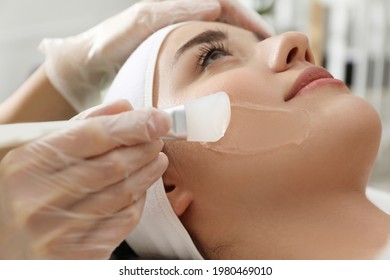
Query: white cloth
<point x="160" y="234"/>
<point x="385" y="252"/>
<point x="382" y="200"/>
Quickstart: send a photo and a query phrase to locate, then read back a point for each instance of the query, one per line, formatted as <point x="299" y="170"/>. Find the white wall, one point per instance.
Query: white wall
<point x="23" y="24"/>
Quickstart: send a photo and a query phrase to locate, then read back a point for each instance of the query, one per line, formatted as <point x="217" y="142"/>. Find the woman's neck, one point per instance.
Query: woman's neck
<point x="334" y="225"/>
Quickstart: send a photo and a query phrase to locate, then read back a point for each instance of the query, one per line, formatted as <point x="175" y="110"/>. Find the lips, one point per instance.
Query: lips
<point x="310" y="78"/>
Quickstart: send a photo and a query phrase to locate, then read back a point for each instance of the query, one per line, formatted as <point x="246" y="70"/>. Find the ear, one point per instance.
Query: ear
<point x="178" y="195"/>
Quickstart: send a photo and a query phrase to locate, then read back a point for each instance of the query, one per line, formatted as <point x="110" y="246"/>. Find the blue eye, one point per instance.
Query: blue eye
<point x="213" y="56"/>
<point x="212" y="52"/>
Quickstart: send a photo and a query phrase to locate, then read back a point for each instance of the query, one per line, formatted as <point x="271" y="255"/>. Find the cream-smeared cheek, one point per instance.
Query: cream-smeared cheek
<point x="259" y="121"/>
<point x="258" y="128"/>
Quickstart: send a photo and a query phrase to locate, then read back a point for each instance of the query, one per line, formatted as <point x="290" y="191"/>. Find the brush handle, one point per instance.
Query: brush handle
<point x="13" y="135"/>
<point x="203" y="120"/>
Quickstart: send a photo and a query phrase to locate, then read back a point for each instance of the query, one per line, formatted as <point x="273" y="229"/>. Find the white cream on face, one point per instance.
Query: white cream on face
<point x="258" y="124"/>
<point x="258" y="128"/>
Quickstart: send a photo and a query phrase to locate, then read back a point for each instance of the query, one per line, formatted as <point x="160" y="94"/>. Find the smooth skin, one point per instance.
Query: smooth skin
<point x="303" y="201"/>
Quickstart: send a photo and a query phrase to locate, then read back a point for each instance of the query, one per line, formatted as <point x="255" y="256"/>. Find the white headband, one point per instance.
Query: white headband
<point x="160" y="234"/>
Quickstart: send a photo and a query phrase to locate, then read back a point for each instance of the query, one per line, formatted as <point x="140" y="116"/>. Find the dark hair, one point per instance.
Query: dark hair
<point x="123" y="252"/>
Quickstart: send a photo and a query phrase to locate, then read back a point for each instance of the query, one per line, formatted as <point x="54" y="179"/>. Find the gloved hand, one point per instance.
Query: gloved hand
<point x="77" y="193"/>
<point x="80" y="67"/>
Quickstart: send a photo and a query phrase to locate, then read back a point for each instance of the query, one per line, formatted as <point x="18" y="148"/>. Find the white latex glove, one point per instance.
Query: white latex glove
<point x="80" y="67"/>
<point x="77" y="193"/>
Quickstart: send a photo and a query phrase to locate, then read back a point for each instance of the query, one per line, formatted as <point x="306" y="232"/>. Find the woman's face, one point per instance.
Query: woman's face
<point x="294" y="131"/>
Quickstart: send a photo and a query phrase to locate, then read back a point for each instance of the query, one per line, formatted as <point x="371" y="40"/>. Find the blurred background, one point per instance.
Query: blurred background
<point x="349" y="37"/>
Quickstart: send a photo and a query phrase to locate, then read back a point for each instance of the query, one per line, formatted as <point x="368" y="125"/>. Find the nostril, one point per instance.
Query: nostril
<point x="291" y="55"/>
<point x="170" y="188"/>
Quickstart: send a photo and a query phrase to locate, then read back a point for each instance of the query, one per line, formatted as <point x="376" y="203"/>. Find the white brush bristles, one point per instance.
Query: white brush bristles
<point x="208" y="117"/>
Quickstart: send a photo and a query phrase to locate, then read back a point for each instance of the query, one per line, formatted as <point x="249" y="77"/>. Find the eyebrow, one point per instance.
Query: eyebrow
<point x="204" y="37"/>
<point x="207" y="37"/>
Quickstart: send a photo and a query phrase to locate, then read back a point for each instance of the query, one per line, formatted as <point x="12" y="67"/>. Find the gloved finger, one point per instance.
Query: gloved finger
<point x="95" y="240"/>
<point x="98" y="135"/>
<point x="119" y="226"/>
<point x="95" y="174"/>
<point x="76" y="183"/>
<point x="236" y="14"/>
<point x="179" y="11"/>
<point x="125" y="193"/>
<point x="229" y="11"/>
<point x="116" y="107"/>
<point x="139" y="21"/>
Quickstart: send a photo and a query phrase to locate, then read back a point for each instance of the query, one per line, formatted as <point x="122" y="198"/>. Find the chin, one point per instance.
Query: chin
<point x="349" y="116"/>
<point x="366" y="127"/>
<point x="346" y="136"/>
<point x="363" y="120"/>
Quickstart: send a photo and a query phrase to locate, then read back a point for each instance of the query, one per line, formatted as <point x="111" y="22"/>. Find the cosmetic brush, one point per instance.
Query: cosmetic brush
<point x="201" y="120"/>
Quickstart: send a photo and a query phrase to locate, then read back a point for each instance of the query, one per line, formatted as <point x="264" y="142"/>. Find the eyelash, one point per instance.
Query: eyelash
<point x="208" y="49"/>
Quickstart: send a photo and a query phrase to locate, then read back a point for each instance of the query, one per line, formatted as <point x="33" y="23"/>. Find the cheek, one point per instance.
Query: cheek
<point x="241" y="84"/>
<point x="344" y="140"/>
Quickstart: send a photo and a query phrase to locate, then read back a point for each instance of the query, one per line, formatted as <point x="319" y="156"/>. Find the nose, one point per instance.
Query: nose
<point x="287" y="50"/>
